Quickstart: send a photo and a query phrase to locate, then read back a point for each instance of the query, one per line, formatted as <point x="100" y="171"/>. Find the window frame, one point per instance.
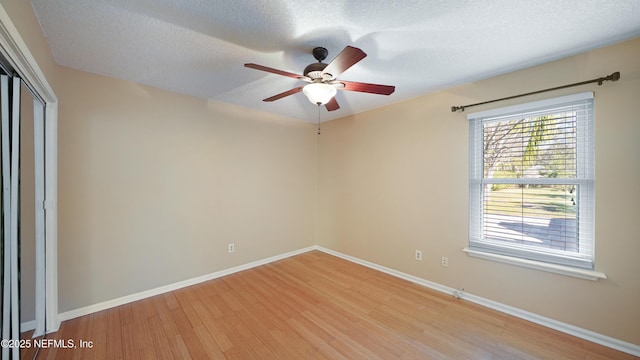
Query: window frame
<point x="530" y="256"/>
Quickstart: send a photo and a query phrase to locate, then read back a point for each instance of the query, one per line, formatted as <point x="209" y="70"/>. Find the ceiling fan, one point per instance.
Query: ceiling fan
<point x="321" y="77"/>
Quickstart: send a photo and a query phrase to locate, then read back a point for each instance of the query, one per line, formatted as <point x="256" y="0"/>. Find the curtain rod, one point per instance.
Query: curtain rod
<point x="613" y="77"/>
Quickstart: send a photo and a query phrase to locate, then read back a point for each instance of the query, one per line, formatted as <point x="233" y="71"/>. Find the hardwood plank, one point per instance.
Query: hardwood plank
<point x="219" y="336"/>
<point x="274" y="347"/>
<point x="100" y="348"/>
<point x="368" y="337"/>
<point x="126" y="314"/>
<point x="258" y="347"/>
<point x="211" y="348"/>
<point x="158" y="337"/>
<point x="234" y="329"/>
<point x="216" y="306"/>
<point x="129" y="346"/>
<point x="264" y="316"/>
<point x="232" y="300"/>
<point x="312" y="306"/>
<point x="170" y="299"/>
<point x="179" y="348"/>
<point x="148" y="353"/>
<point x="288" y="339"/>
<point x="113" y="340"/>
<point x="316" y="336"/>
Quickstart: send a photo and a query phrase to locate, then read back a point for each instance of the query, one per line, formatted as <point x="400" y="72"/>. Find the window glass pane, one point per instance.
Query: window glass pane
<point x="530" y="148"/>
<point x="535" y="215"/>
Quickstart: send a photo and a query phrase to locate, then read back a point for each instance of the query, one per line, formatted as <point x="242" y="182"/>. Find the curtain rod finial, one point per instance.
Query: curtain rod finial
<point x="613" y="77"/>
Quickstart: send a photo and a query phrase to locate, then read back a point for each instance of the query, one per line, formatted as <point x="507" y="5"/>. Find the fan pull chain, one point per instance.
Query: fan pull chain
<point x="318" y="118"/>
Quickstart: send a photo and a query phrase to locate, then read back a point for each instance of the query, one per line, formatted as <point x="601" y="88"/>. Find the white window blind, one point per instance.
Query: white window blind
<point x="532" y="181"/>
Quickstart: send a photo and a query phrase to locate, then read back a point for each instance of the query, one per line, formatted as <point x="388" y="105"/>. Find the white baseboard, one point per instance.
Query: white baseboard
<point x="538" y="319"/>
<point x="175" y="286"/>
<point x="522" y="314"/>
<point x="27" y="326"/>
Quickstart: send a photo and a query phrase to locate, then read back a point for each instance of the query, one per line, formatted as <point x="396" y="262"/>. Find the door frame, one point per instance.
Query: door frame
<point x="15" y="50"/>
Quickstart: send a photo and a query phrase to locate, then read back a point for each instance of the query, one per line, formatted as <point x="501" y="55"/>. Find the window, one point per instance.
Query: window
<point x="531" y="181"/>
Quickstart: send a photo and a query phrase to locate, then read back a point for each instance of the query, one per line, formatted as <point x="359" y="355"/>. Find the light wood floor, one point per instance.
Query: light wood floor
<point x="312" y="306"/>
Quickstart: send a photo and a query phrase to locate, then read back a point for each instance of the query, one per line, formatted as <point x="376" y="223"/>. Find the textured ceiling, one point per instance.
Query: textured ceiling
<point x="198" y="47"/>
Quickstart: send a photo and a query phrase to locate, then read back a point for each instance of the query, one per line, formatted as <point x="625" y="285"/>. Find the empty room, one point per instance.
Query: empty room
<point x="276" y="179"/>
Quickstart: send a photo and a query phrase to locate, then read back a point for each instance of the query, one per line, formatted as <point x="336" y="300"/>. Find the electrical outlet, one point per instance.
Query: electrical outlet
<point x="418" y="255"/>
<point x="445" y="261"/>
<point x="232" y="247"/>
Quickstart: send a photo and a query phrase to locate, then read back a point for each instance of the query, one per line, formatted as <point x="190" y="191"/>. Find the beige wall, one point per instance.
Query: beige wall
<point x="394" y="180"/>
<point x="153" y="186"/>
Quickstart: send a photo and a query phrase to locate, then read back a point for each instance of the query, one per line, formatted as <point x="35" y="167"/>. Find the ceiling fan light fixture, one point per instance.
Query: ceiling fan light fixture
<point x="319" y="93"/>
<point x="322" y="78"/>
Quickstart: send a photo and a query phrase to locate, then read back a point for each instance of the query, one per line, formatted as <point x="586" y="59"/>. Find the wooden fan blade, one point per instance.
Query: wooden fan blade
<point x="368" y="88"/>
<point x="273" y="71"/>
<point x="346" y="59"/>
<point x="284" y="94"/>
<point x="332" y="104"/>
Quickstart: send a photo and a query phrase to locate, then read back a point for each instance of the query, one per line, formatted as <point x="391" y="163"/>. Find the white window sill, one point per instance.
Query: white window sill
<point x="558" y="269"/>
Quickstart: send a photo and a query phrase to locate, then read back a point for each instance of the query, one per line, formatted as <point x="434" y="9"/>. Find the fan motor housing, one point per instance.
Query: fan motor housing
<point x="314" y="70"/>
